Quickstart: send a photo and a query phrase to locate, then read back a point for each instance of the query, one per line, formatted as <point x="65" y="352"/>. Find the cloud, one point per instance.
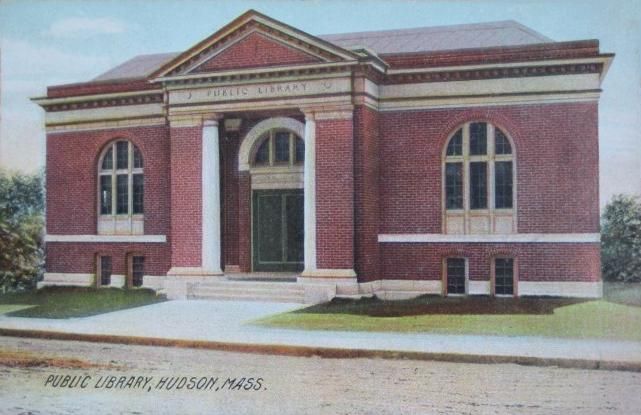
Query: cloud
<point x="85" y="27"/>
<point x="24" y="60"/>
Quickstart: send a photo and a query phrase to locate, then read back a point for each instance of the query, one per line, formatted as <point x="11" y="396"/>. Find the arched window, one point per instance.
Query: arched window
<point x="279" y="148"/>
<point x="120" y="188"/>
<point x="478" y="180"/>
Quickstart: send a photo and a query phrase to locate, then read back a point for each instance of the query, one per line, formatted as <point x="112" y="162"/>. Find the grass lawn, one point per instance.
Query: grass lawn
<point x="616" y="316"/>
<point x="66" y="302"/>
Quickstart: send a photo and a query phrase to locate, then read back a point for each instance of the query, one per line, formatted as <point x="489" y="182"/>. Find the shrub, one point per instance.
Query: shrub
<point x="21" y="230"/>
<point x="621" y="239"/>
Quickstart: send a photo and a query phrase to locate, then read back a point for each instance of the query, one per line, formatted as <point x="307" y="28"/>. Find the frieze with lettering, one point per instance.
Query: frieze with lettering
<point x="257" y="91"/>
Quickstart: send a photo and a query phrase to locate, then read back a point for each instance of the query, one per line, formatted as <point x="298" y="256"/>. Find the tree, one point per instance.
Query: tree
<point x="21" y="230"/>
<point x="621" y="239"/>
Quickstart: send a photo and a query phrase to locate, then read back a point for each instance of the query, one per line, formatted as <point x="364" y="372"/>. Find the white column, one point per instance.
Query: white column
<point x="210" y="199"/>
<point x="309" y="193"/>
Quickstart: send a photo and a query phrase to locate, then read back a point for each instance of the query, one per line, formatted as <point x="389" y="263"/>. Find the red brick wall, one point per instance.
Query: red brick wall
<point x="71" y="174"/>
<point x="536" y="261"/>
<point x="229" y="146"/>
<point x="81" y="257"/>
<point x="366" y="196"/>
<point x="557" y="166"/>
<point x="72" y="166"/>
<point x="186" y="196"/>
<point x="334" y="194"/>
<point x="254" y="51"/>
<point x="244" y="221"/>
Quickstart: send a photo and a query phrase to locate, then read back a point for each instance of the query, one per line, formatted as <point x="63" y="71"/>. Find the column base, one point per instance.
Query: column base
<point x="325" y="284"/>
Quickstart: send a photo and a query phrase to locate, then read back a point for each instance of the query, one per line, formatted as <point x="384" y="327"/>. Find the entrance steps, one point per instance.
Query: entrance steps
<point x="250" y="287"/>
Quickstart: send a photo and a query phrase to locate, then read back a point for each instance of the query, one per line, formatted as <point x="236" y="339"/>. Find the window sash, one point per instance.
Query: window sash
<point x="122" y="194"/>
<point x="454" y="185"/>
<point x="503" y="191"/>
<point x="122" y="155"/>
<point x="455" y="269"/>
<point x="455" y="146"/>
<point x="478" y="138"/>
<point x="478" y="185"/>
<point x="299" y="151"/>
<point x="138" y="194"/>
<point x="121" y="178"/>
<point x="504" y="276"/>
<point x="105" y="195"/>
<point x="281" y="147"/>
<point x="137" y="270"/>
<point x="105" y="270"/>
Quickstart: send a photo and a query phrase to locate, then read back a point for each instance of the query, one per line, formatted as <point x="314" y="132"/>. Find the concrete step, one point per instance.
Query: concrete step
<point x="265" y="285"/>
<point x="249" y="291"/>
<point x="250" y="297"/>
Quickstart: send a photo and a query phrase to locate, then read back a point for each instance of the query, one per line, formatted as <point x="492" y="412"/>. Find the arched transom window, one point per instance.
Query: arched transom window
<point x="279" y="148"/>
<point x="478" y="185"/>
<point x="121" y="189"/>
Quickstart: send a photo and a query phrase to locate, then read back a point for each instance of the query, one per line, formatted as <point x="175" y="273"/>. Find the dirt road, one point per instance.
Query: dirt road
<point x="155" y="380"/>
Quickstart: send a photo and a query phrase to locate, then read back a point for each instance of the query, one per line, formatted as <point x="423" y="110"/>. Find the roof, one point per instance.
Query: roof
<point x="137" y="67"/>
<point x="424" y="39"/>
<point x="439" y="38"/>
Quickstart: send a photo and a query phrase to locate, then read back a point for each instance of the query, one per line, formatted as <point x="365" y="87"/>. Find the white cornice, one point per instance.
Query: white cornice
<point x="107" y="238"/>
<point x="491" y="238"/>
<point x="597" y="59"/>
<point x="252" y="71"/>
<point x="83" y="98"/>
<point x="470" y="101"/>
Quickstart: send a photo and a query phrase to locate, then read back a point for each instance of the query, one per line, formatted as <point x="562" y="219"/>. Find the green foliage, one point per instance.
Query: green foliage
<point x="68" y="302"/>
<point x="21" y="230"/>
<point x="621" y="239"/>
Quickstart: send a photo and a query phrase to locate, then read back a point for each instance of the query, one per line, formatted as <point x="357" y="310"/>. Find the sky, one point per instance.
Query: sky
<point x="65" y="41"/>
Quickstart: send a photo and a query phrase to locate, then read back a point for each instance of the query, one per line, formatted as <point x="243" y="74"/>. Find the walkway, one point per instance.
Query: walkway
<point x="227" y="322"/>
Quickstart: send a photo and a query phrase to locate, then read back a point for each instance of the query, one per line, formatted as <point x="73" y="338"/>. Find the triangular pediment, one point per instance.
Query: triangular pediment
<point x="256" y="49"/>
<point x="250" y="41"/>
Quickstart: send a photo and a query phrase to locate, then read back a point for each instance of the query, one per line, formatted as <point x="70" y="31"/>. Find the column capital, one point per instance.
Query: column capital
<point x="329" y="112"/>
<point x="309" y="113"/>
<point x="212" y="120"/>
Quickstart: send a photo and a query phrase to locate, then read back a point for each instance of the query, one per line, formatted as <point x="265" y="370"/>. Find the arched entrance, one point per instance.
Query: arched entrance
<point x="274" y="153"/>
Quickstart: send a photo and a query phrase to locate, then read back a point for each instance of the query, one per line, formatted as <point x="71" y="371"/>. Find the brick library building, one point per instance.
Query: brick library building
<point x="268" y="163"/>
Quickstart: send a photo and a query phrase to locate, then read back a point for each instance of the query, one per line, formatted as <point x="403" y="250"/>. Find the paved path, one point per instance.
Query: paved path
<point x="227" y="321"/>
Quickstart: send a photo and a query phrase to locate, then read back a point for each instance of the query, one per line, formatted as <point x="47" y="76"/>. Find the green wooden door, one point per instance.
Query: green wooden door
<point x="278" y="230"/>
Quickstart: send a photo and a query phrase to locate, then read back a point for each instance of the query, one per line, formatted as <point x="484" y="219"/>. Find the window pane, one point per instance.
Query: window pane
<point x="138" y="193"/>
<point x="122" y="155"/>
<point x="454" y="185"/>
<point x="478" y="138"/>
<point x="105" y="195"/>
<point x="281" y="147"/>
<point x="262" y="155"/>
<point x="501" y="143"/>
<point x="138" y="270"/>
<point x="300" y="150"/>
<point x="478" y="185"/>
<point x="137" y="158"/>
<point x="105" y="270"/>
<point x="504" y="276"/>
<point x="108" y="160"/>
<point x="455" y="147"/>
<point x="122" y="194"/>
<point x="456" y="275"/>
<point x="503" y="185"/>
